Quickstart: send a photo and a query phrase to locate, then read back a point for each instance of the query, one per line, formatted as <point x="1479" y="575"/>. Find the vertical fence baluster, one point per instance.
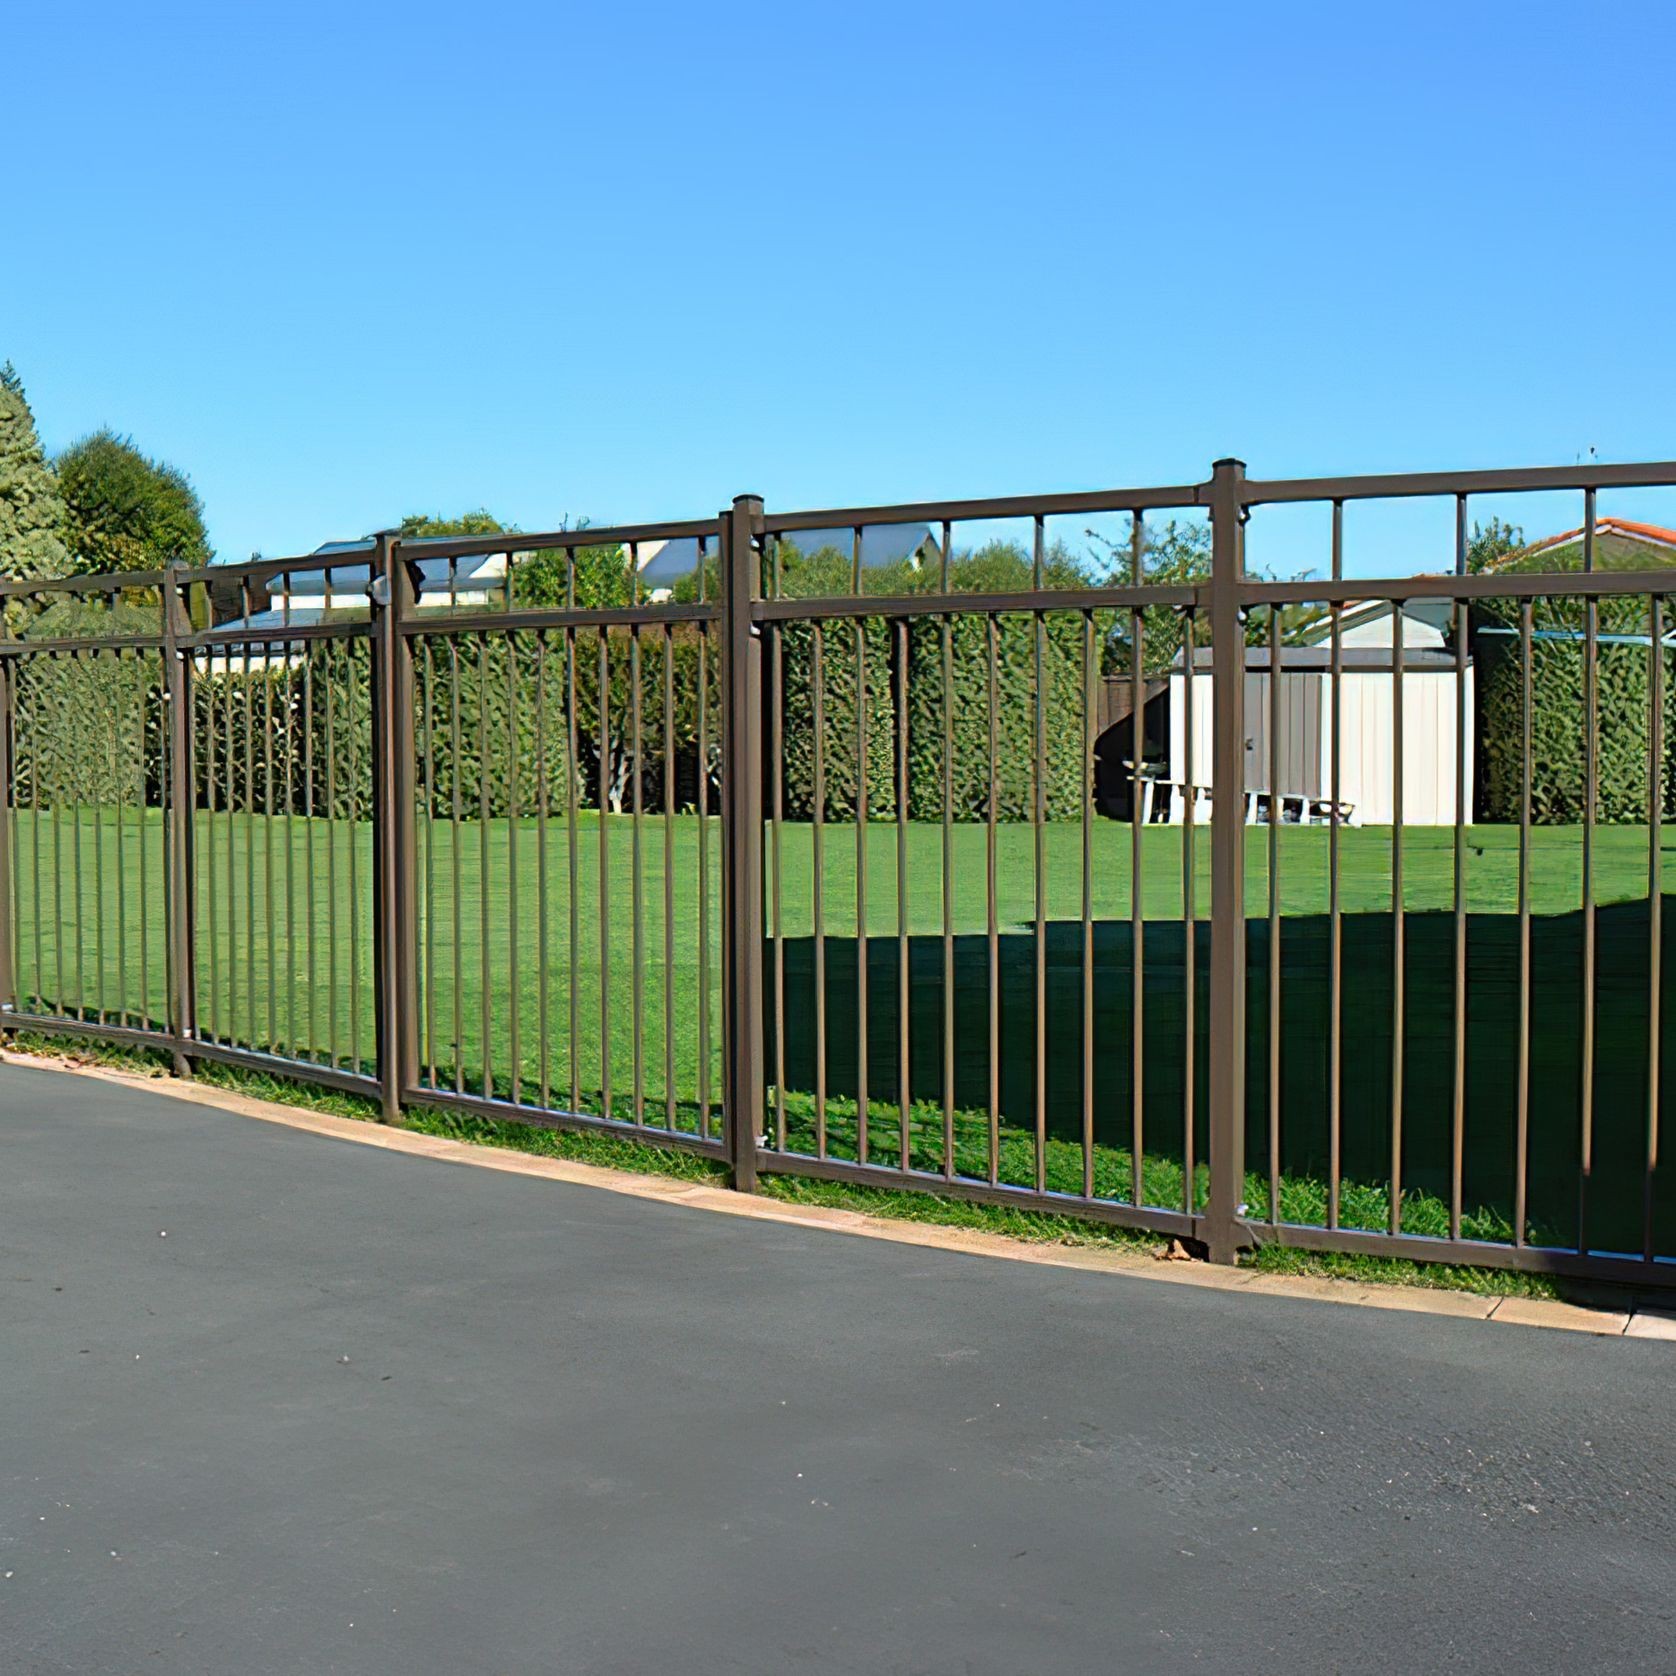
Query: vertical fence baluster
<point x="817" y="843"/>
<point x="1399" y="924"/>
<point x="776" y="817"/>
<point x="486" y="1015"/>
<point x="604" y="873"/>
<point x="637" y="891"/>
<point x="289" y="794"/>
<point x="427" y="964"/>
<point x="1189" y="914"/>
<point x="573" y="799"/>
<point x="181" y="824"/>
<point x="310" y="821"/>
<point x="1038" y="840"/>
<point x="669" y="762"/>
<point x="11" y="900"/>
<point x="1655" y="918"/>
<point x="1591" y="780"/>
<point x="1521" y="1179"/>
<point x="1335" y="909"/>
<point x="991" y="881"/>
<point x="904" y="1097"/>
<point x="947" y="622"/>
<point x="252" y="1039"/>
<point x="10" y="908"/>
<point x="1457" y="1125"/>
<point x="1275" y="714"/>
<point x="543" y="977"/>
<point x="128" y="761"/>
<point x="514" y="929"/>
<point x="1090" y="698"/>
<point x="863" y="1010"/>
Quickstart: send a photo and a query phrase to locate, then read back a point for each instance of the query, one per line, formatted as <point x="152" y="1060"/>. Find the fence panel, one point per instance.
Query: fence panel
<point x="1492" y="952"/>
<point x="86" y="752"/>
<point x="279" y="740"/>
<point x="568" y="863"/>
<point x="971" y="983"/>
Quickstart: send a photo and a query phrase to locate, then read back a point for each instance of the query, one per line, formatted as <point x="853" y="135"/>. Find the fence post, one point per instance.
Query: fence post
<point x="8" y="925"/>
<point x="393" y="827"/>
<point x="1225" y="1231"/>
<point x="742" y="1029"/>
<point x="178" y="794"/>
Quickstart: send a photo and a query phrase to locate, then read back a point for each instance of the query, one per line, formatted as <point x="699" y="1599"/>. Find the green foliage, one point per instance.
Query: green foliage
<point x="1178" y="555"/>
<point x="490" y="731"/>
<point x="1559" y="712"/>
<point x="1492" y="544"/>
<point x="89" y="727"/>
<point x="31" y="507"/>
<point x="876" y="671"/>
<point x="587" y="578"/>
<point x="852" y="662"/>
<point x="127" y="512"/>
<point x="417" y="525"/>
<point x="480" y="704"/>
<point x="1018" y="647"/>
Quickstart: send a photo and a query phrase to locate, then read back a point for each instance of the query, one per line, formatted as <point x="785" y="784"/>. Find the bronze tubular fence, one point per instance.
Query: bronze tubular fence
<point x="891" y="845"/>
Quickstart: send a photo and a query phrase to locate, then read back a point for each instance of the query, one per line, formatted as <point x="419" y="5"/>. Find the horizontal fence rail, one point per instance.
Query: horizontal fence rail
<point x="905" y="846"/>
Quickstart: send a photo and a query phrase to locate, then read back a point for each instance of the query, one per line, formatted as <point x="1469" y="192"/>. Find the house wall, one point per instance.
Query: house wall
<point x="1367" y="740"/>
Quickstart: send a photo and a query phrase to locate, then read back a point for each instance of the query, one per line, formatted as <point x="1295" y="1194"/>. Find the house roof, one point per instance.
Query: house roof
<point x="1646" y="535"/>
<point x="666" y="562"/>
<point x="1620" y="544"/>
<point x="1417" y="660"/>
<point x="354" y="579"/>
<point x="1435" y="613"/>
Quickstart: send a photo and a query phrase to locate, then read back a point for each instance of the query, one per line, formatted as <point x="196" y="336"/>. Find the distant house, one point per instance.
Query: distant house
<point x="302" y="596"/>
<point x="1620" y="544"/>
<point x="663" y="564"/>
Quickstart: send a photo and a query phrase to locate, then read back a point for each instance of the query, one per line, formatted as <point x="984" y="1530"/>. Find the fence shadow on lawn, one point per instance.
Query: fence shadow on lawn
<point x="1615" y="1186"/>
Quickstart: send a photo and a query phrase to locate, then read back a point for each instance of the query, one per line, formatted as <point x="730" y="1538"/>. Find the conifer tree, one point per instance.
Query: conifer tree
<point x="31" y="507"/>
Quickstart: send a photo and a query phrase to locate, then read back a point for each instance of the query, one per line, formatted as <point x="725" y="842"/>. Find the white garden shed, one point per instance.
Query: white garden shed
<point x="1431" y="725"/>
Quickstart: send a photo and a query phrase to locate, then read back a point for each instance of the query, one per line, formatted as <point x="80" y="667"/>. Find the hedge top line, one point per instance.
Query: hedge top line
<point x="1245" y="493"/>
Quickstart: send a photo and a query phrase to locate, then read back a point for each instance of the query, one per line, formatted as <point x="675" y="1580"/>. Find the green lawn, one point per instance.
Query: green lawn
<point x="285" y="952"/>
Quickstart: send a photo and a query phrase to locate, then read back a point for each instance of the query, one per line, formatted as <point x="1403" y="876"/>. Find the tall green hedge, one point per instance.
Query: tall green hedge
<point x="1064" y="695"/>
<point x="296" y="732"/>
<point x="87" y="730"/>
<point x="855" y="658"/>
<point x="905" y="672"/>
<point x="1559" y="712"/>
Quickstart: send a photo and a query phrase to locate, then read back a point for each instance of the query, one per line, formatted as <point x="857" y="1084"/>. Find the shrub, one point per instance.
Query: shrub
<point x="1624" y="669"/>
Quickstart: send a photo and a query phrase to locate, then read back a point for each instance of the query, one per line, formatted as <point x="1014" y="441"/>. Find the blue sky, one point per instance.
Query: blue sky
<point x="344" y="262"/>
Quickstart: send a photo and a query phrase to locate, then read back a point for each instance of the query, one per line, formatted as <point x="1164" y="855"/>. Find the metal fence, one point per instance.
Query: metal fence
<point x="796" y="861"/>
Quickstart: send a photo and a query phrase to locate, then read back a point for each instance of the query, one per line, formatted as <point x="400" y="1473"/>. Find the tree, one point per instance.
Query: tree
<point x="1178" y="555"/>
<point x="31" y="507"/>
<point x="1492" y="544"/>
<point x="127" y="512"/>
<point x="481" y="522"/>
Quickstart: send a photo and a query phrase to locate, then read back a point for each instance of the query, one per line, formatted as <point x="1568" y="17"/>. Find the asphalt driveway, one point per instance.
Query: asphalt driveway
<point x="273" y="1403"/>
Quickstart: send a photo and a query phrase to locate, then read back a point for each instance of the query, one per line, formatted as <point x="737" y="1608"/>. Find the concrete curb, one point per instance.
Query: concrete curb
<point x="1649" y="1323"/>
